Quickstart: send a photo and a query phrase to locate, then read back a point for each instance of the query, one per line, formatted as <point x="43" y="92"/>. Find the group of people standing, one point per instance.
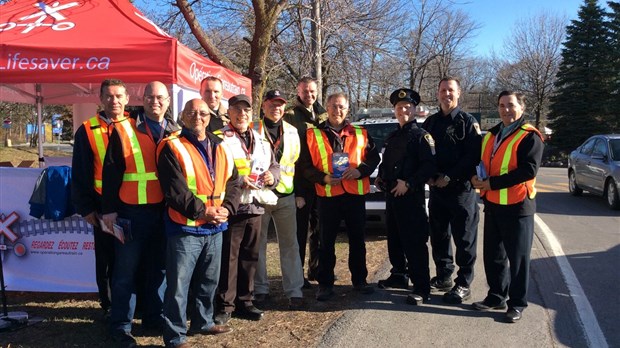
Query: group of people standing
<point x="448" y="153"/>
<point x="195" y="198"/>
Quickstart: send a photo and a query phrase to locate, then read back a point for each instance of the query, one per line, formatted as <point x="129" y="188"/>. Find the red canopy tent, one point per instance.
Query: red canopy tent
<point x="58" y="52"/>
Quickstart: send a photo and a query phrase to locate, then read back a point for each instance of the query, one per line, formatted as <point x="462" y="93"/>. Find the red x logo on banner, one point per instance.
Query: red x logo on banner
<point x="5" y="229"/>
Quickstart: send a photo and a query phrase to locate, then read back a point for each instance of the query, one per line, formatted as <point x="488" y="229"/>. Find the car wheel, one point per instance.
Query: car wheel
<point x="612" y="194"/>
<point x="572" y="184"/>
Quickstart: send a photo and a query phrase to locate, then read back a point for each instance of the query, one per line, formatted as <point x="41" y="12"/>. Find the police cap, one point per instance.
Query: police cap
<point x="405" y="94"/>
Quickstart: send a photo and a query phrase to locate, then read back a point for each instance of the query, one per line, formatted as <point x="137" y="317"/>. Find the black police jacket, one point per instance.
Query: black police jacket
<point x="457" y="142"/>
<point x="409" y="155"/>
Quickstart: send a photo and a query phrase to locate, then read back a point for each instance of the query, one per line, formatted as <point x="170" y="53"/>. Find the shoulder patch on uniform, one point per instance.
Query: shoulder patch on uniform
<point x="477" y="128"/>
<point x="431" y="142"/>
<point x="229" y="133"/>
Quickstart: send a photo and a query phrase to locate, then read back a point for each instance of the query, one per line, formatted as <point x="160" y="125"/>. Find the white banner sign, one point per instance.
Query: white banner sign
<point x="40" y="254"/>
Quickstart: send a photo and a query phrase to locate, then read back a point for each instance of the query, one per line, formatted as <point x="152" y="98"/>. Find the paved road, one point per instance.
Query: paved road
<point x="552" y="318"/>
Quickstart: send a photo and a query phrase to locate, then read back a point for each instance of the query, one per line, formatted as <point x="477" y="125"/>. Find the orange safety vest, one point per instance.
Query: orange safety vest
<point x="197" y="175"/>
<point x="504" y="161"/>
<point x="321" y="152"/>
<point x="140" y="183"/>
<point x="98" y="133"/>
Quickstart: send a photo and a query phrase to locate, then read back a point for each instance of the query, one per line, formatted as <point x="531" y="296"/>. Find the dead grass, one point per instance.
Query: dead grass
<point x="17" y="154"/>
<point x="74" y="320"/>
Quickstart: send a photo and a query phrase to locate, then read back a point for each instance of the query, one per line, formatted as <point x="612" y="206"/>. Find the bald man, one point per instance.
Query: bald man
<point x="133" y="199"/>
<point x="194" y="170"/>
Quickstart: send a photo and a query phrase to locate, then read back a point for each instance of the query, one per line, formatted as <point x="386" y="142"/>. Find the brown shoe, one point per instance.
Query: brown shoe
<point x="214" y="330"/>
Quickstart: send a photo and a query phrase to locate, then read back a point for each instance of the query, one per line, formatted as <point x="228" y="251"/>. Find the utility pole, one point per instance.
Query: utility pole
<point x="317" y="48"/>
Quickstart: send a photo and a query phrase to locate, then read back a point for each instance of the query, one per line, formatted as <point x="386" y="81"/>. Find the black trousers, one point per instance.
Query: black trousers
<point x="506" y="252"/>
<point x="454" y="214"/>
<point x="239" y="260"/>
<point x="308" y="233"/>
<point x="332" y="210"/>
<point x="407" y="235"/>
<point x="104" y="265"/>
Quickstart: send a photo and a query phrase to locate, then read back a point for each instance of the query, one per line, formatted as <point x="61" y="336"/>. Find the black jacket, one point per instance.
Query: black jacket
<point x="409" y="155"/>
<point x="529" y="156"/>
<point x="83" y="195"/>
<point x="457" y="144"/>
<point x="114" y="164"/>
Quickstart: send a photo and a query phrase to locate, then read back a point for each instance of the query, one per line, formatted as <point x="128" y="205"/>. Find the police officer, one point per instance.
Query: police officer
<point x="453" y="210"/>
<point x="408" y="163"/>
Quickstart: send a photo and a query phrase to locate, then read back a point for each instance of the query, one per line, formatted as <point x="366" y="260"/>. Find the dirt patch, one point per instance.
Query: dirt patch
<point x="75" y="320"/>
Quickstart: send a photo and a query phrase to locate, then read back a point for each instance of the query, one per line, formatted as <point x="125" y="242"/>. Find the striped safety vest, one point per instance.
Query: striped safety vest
<point x="504" y="161"/>
<point x="321" y="153"/>
<point x="290" y="154"/>
<point x="98" y="133"/>
<point x="140" y="183"/>
<point x="210" y="191"/>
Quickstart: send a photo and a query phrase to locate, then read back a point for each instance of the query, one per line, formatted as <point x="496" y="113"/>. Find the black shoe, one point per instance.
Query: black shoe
<point x="487" y="305"/>
<point x="249" y="312"/>
<point x="307" y="284"/>
<point x="363" y="288"/>
<point x="457" y="295"/>
<point x="123" y="339"/>
<point x="395" y="281"/>
<point x="441" y="284"/>
<point x="222" y="318"/>
<point x="513" y="315"/>
<point x="417" y="298"/>
<point x="324" y="293"/>
<point x="296" y="303"/>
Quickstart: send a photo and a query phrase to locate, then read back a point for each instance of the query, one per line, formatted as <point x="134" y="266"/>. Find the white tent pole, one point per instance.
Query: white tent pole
<point x="40" y="124"/>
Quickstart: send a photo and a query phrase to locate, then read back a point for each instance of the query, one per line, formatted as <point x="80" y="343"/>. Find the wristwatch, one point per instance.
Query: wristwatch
<point x="407" y="184"/>
<point x="446" y="178"/>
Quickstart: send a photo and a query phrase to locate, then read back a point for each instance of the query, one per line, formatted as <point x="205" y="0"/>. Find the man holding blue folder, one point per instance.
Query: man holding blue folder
<point x="339" y="158"/>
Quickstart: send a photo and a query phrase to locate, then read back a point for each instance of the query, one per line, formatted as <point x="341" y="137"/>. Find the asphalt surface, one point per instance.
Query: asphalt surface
<point x="383" y="319"/>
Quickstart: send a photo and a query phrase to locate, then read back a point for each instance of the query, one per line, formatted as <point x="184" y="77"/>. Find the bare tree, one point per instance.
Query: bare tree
<point x="265" y="14"/>
<point x="531" y="57"/>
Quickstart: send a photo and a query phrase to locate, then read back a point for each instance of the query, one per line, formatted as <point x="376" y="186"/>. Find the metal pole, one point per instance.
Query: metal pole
<point x="40" y="124"/>
<point x="317" y="48"/>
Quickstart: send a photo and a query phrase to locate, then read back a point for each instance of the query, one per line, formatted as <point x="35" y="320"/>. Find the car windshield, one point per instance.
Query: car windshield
<point x="614" y="145"/>
<point x="380" y="131"/>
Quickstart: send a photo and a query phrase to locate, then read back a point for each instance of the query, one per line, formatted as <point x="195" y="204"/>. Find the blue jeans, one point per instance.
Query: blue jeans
<point x="147" y="244"/>
<point x="190" y="255"/>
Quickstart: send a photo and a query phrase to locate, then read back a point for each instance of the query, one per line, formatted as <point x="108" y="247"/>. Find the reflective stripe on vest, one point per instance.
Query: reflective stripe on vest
<point x="321" y="153"/>
<point x="504" y="161"/>
<point x="98" y="143"/>
<point x="290" y="154"/>
<point x="197" y="176"/>
<point x="140" y="183"/>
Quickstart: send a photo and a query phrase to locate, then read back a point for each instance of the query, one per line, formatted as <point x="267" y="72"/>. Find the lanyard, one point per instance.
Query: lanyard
<point x="248" y="151"/>
<point x="274" y="146"/>
<point x="208" y="146"/>
<point x="339" y="140"/>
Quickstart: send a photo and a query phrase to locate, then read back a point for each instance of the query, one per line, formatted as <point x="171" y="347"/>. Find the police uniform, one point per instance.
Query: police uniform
<point x="453" y="210"/>
<point x="408" y="156"/>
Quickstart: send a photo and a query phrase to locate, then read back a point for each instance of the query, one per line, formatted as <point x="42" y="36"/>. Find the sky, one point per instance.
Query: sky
<point x="498" y="17"/>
